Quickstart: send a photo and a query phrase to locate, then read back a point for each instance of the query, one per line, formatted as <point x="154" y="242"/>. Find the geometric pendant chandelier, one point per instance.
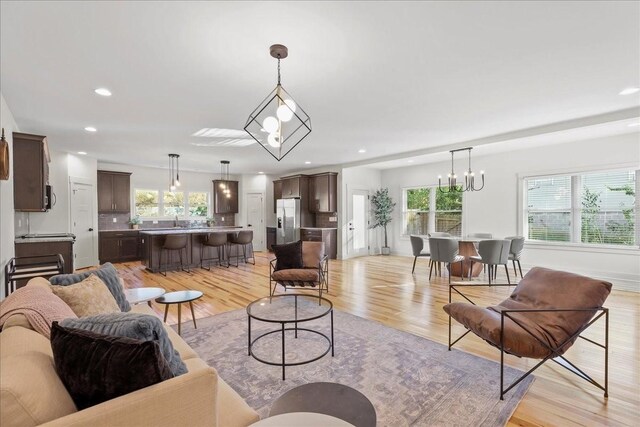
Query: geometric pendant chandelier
<point x="278" y="123"/>
<point x="452" y="179"/>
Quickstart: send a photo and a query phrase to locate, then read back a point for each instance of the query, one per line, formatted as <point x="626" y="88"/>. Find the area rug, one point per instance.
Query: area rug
<point x="411" y="381"/>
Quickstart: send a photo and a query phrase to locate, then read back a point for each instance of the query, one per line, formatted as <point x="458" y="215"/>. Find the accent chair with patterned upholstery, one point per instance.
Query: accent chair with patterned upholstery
<point x="544" y="316"/>
<point x="312" y="272"/>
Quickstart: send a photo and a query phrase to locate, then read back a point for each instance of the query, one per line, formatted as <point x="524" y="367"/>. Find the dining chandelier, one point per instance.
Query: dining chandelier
<point x="224" y="178"/>
<point x="174" y="171"/>
<point x="452" y="178"/>
<point x="278" y="123"/>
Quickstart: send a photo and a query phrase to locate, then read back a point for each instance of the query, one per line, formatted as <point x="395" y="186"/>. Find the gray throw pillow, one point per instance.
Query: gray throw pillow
<point x="109" y="275"/>
<point x="139" y="326"/>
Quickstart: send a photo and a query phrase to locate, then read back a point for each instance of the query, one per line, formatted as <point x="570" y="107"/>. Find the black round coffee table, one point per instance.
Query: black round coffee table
<point x="337" y="400"/>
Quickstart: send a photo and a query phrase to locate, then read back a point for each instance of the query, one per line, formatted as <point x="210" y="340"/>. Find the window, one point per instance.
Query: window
<point x="173" y="203"/>
<point x="593" y="208"/>
<point x="198" y="204"/>
<point x="146" y="203"/>
<point x="426" y="210"/>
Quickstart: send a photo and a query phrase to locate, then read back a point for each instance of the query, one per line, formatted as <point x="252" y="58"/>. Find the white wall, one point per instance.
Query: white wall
<point x="356" y="178"/>
<point x="7" y="234"/>
<point x="495" y="209"/>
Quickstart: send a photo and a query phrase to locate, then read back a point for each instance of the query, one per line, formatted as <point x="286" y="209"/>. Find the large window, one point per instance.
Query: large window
<point x="593" y="208"/>
<point x="425" y="209"/>
<point x="168" y="204"/>
<point x="198" y="204"/>
<point x="146" y="202"/>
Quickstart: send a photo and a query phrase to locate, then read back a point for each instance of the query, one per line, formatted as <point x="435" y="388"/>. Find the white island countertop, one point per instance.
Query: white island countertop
<point x="163" y="232"/>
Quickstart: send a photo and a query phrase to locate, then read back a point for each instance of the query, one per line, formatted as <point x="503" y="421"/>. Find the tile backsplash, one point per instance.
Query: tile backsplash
<point x="327" y="220"/>
<point x="105" y="222"/>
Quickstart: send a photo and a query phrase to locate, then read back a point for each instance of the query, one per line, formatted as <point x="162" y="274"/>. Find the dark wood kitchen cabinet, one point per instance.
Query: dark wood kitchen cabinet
<point x="327" y="235"/>
<point x="30" y="172"/>
<point x="26" y="248"/>
<point x="277" y="194"/>
<point x="323" y="192"/>
<point x="114" y="192"/>
<point x="221" y="203"/>
<point x="119" y="246"/>
<point x="271" y="238"/>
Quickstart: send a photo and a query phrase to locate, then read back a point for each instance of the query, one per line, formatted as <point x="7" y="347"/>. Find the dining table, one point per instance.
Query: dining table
<point x="467" y="248"/>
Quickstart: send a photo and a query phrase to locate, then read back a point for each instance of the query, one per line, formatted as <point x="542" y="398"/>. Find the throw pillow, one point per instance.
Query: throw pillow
<point x="140" y="326"/>
<point x="107" y="273"/>
<point x="95" y="367"/>
<point x="87" y="298"/>
<point x="288" y="255"/>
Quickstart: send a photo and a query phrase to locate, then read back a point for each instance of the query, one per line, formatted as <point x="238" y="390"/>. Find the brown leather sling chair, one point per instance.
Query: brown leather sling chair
<point x="546" y="313"/>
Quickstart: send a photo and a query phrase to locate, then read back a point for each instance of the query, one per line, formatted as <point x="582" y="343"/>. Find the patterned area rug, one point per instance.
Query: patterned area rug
<point x="411" y="381"/>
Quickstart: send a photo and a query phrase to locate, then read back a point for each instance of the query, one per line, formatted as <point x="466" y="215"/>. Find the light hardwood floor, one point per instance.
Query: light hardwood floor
<point x="382" y="288"/>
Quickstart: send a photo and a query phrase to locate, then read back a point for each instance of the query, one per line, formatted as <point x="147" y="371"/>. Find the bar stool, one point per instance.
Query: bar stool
<point x="242" y="238"/>
<point x="172" y="243"/>
<point x="217" y="241"/>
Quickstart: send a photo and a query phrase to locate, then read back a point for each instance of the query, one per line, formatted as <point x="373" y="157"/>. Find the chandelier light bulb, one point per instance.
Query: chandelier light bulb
<point x="172" y="188"/>
<point x="177" y="183"/>
<point x="228" y="196"/>
<point x="439" y="176"/>
<point x="466" y="173"/>
<point x="284" y="113"/>
<point x="270" y="124"/>
<point x="481" y="172"/>
<point x="274" y="140"/>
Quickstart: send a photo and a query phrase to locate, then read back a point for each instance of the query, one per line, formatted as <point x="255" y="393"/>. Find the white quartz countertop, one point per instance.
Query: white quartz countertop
<point x="153" y="232"/>
<point x="44" y="239"/>
<point x="318" y="228"/>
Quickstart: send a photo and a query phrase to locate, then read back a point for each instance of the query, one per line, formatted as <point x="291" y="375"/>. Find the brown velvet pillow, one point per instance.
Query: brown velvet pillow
<point x="288" y="255"/>
<point x="95" y="367"/>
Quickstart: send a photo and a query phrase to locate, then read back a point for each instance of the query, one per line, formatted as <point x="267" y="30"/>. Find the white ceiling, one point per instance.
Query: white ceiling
<point x="388" y="77"/>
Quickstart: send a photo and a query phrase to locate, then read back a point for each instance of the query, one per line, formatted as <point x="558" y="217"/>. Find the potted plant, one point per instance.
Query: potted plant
<point x="135" y="222"/>
<point x="382" y="207"/>
<point x="211" y="221"/>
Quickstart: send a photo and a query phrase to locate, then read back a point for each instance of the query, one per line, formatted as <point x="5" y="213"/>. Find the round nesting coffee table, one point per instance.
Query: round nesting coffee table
<point x="139" y="295"/>
<point x="288" y="309"/>
<point x="302" y="419"/>
<point x="336" y="400"/>
<point x="179" y="297"/>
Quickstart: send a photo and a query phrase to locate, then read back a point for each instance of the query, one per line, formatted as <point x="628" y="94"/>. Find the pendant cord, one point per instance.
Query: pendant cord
<point x="278" y="70"/>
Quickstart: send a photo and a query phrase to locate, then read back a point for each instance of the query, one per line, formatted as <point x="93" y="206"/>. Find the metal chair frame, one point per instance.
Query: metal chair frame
<point x="554" y="352"/>
<point x="322" y="284"/>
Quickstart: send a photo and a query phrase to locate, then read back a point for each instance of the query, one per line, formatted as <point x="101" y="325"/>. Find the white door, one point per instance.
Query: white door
<point x="82" y="224"/>
<point x="255" y="220"/>
<point x="358" y="223"/>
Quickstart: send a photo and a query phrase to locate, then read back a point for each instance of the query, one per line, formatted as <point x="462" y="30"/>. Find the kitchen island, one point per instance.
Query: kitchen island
<point x="154" y="239"/>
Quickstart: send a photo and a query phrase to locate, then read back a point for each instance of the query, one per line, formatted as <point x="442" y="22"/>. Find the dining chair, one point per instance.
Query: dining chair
<point x="493" y="253"/>
<point x="445" y="250"/>
<point x="417" y="244"/>
<point x="515" y="252"/>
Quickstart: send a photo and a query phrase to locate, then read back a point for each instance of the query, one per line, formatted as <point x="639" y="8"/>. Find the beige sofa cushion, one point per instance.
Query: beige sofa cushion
<point x="232" y="409"/>
<point x="88" y="298"/>
<point x="30" y="391"/>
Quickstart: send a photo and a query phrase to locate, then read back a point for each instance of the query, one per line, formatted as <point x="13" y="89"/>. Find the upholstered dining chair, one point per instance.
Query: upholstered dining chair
<point x="417" y="244"/>
<point x="444" y="250"/>
<point x="493" y="253"/>
<point x="515" y="252"/>
<point x="312" y="272"/>
<point x="544" y="316"/>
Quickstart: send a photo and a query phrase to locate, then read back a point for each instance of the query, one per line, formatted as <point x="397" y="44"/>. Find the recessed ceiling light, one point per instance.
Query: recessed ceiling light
<point x="629" y="90"/>
<point x="362" y="150"/>
<point x="307" y="162"/>
<point x="103" y="91"/>
<point x="82" y="153"/>
<point x="409" y="161"/>
<point x="90" y="129"/>
<point x="261" y="173"/>
<point x="633" y="124"/>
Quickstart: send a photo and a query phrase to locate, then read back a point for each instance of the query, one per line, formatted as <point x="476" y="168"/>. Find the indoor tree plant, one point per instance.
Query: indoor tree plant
<point x="382" y="206"/>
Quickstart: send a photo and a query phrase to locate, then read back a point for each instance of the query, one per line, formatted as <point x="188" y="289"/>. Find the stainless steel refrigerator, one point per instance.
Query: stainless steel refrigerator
<point x="288" y="221"/>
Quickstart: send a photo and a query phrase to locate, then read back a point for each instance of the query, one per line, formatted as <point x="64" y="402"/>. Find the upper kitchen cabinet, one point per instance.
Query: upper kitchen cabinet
<point x="323" y="192"/>
<point x="277" y="194"/>
<point x="114" y="192"/>
<point x="224" y="203"/>
<point x="294" y="186"/>
<point x="30" y="172"/>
